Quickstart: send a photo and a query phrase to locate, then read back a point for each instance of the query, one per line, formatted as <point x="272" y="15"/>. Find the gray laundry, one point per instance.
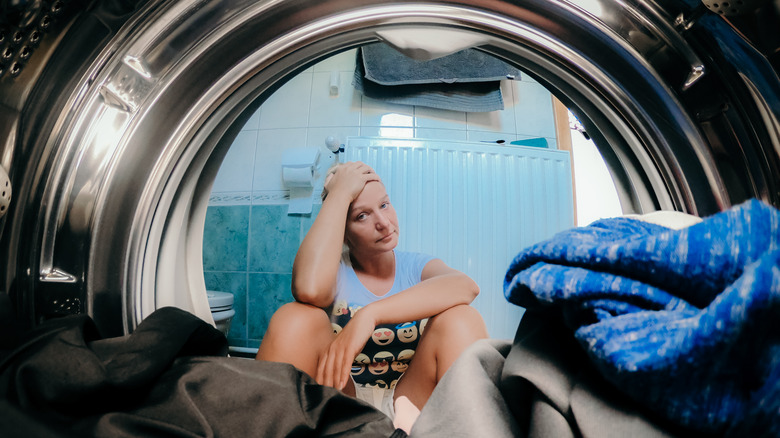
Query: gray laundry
<point x="540" y="385"/>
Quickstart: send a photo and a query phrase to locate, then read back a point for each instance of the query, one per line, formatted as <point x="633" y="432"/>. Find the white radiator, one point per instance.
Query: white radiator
<point x="474" y="205"/>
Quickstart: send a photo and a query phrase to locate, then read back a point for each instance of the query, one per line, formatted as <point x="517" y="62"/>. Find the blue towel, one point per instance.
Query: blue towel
<point x="468" y="80"/>
<point x="686" y="322"/>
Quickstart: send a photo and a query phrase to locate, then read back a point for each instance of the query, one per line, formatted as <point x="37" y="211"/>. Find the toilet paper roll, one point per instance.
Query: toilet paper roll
<point x="300" y="180"/>
<point x="298" y="176"/>
<point x="300" y="200"/>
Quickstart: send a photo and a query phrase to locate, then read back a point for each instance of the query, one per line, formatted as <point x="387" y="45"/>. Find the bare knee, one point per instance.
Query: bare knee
<point x="297" y="316"/>
<point x="296" y="334"/>
<point x="461" y="321"/>
<point x="299" y="322"/>
<point x="450" y="333"/>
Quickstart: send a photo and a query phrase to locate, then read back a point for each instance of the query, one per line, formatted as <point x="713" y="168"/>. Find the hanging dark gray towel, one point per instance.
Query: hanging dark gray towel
<point x="468" y="80"/>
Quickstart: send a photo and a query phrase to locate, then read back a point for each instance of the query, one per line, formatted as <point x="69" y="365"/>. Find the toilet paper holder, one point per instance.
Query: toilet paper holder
<point x="300" y="157"/>
<point x="298" y="174"/>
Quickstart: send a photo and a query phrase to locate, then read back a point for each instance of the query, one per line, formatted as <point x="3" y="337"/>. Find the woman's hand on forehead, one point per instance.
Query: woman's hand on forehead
<point x="350" y="178"/>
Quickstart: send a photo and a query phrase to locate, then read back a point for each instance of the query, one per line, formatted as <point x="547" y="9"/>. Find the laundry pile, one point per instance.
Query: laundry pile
<point x="170" y="377"/>
<point x="685" y="322"/>
<point x="631" y="329"/>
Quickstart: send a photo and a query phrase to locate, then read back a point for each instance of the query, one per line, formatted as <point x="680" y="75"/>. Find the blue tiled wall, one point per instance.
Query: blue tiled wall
<point x="240" y="258"/>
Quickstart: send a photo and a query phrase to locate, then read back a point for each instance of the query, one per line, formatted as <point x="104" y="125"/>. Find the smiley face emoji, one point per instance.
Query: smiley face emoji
<point x="383" y="336"/>
<point x="405" y="355"/>
<point x="340" y="308"/>
<point x="423" y="324"/>
<point x="377" y="368"/>
<point x="406" y="332"/>
<point x="402" y="362"/>
<point x="384" y="356"/>
<point x="378" y="384"/>
<point x="381" y="362"/>
<point x="399" y="366"/>
<point x="360" y="364"/>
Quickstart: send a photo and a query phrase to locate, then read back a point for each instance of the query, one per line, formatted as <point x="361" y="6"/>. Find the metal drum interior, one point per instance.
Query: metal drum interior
<point x="112" y="157"/>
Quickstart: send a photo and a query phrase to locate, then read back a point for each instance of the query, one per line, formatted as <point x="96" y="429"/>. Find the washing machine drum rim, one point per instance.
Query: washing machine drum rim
<point x="121" y="199"/>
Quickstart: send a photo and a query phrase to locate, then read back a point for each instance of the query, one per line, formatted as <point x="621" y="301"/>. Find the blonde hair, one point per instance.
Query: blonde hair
<point x="330" y="172"/>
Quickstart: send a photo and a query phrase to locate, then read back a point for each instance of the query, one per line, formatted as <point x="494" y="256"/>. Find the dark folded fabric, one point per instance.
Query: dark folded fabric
<point x="170" y="377"/>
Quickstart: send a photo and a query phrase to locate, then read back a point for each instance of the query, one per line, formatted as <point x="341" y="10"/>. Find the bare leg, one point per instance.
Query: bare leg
<point x="446" y="336"/>
<point x="406" y="414"/>
<point x="299" y="334"/>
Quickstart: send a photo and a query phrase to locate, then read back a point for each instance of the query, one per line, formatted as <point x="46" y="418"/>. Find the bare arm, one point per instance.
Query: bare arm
<point x="317" y="260"/>
<point x="441" y="288"/>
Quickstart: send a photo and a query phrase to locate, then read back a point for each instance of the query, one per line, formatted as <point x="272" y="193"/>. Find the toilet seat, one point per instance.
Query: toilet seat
<point x="221" y="306"/>
<point x="219" y="301"/>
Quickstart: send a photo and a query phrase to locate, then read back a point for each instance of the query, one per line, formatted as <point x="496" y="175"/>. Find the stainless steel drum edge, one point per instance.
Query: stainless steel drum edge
<point x="155" y="162"/>
<point x="289" y="43"/>
<point x="753" y="116"/>
<point x="121" y="228"/>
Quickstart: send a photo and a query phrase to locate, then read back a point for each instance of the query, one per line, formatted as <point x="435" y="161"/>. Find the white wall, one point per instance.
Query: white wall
<point x="594" y="188"/>
<point x="303" y="113"/>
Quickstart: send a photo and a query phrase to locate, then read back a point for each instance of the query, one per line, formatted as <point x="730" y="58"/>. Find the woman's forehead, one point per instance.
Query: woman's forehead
<point x="373" y="192"/>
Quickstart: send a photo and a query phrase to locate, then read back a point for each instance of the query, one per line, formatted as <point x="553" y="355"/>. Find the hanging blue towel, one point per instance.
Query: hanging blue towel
<point x="386" y="66"/>
<point x="468" y="80"/>
<point x="686" y="322"/>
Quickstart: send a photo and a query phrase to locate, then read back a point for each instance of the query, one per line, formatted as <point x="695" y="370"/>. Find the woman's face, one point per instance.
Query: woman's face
<point x="372" y="223"/>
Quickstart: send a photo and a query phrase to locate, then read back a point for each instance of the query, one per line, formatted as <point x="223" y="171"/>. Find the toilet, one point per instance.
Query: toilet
<point x="221" y="305"/>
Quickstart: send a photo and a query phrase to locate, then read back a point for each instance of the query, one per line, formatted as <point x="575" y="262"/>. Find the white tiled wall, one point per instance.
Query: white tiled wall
<point x="304" y="113"/>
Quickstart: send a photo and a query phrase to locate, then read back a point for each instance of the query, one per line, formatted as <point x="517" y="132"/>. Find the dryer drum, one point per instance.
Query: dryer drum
<point x="116" y="126"/>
